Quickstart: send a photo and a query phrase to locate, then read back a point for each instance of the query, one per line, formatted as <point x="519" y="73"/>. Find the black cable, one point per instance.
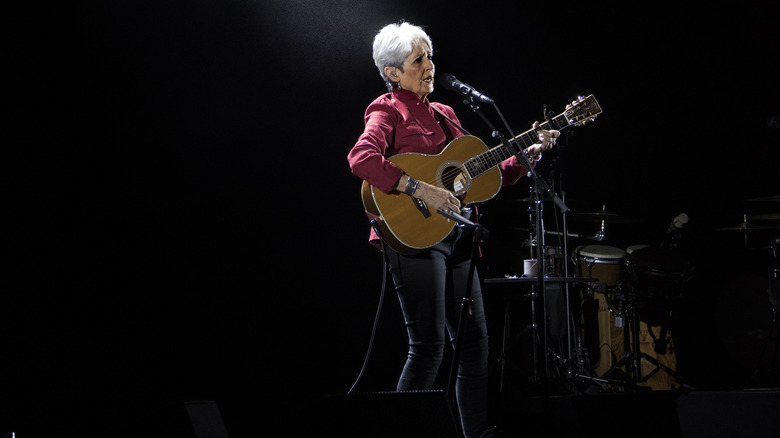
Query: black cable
<point x="378" y="312"/>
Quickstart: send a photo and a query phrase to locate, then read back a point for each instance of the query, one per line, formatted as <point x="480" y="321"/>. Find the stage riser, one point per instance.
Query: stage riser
<point x="711" y="414"/>
<point x="412" y="414"/>
<point x="754" y="414"/>
<point x="668" y="414"/>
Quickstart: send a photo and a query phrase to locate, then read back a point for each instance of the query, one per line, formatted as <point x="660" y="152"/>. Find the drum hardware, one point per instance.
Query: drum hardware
<point x="618" y="312"/>
<point x="534" y="327"/>
<point x="673" y="232"/>
<point x="579" y="372"/>
<point x="550" y="266"/>
<point x="774" y="300"/>
<point x="751" y="229"/>
<point x="644" y="262"/>
<point x="765" y="217"/>
<point x="553" y="269"/>
<point x="599" y="276"/>
<point x="601" y="234"/>
<point x="527" y="199"/>
<point x="774" y="277"/>
<point x="773" y="198"/>
<point x="598" y="236"/>
<point x="744" y="227"/>
<point x="537" y="236"/>
<point x="593" y="331"/>
<point x="604" y="216"/>
<point x="632" y="358"/>
<point x="502" y="357"/>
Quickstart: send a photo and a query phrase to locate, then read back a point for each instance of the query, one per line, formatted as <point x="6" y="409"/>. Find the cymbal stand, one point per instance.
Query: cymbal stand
<point x="537" y="239"/>
<point x="573" y="361"/>
<point x="773" y="335"/>
<point x="570" y="328"/>
<point x="545" y="267"/>
<point x="539" y="289"/>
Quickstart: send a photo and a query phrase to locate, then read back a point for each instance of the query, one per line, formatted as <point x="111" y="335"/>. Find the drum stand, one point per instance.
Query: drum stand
<point x="578" y="369"/>
<point x="633" y="356"/>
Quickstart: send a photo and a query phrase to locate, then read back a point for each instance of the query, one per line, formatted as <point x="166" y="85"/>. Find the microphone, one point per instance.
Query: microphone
<point x="458" y="219"/>
<point x="672" y="233"/>
<point x="455" y="217"/>
<point x="678" y="222"/>
<point x="450" y="82"/>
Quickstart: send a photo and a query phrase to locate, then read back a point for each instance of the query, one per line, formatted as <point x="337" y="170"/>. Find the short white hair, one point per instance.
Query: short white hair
<point x="394" y="43"/>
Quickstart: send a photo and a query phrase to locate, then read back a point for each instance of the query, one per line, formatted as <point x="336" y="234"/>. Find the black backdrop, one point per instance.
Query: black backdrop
<point x="183" y="222"/>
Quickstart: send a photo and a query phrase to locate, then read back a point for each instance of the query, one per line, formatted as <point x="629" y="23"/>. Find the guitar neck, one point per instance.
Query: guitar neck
<point x="484" y="162"/>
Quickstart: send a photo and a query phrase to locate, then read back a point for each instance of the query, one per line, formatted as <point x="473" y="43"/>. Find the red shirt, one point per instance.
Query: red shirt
<point x="399" y="122"/>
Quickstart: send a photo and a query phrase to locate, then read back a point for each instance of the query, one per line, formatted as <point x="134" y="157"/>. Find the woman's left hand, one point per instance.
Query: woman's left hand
<point x="546" y="142"/>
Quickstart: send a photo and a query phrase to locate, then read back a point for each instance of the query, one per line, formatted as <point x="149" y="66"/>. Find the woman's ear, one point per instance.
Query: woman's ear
<point x="391" y="73"/>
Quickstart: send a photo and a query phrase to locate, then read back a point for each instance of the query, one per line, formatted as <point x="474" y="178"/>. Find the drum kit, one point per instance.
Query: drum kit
<point x="619" y="325"/>
<point x="748" y="322"/>
<point x="626" y="315"/>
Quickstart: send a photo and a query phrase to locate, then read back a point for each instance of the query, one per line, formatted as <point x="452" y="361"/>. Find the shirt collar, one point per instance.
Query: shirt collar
<point x="408" y="97"/>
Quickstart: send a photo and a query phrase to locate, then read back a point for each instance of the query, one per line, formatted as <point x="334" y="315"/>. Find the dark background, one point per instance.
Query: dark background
<point x="182" y="222"/>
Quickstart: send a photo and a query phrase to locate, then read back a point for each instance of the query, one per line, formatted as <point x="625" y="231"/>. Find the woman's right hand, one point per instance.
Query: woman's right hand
<point x="437" y="198"/>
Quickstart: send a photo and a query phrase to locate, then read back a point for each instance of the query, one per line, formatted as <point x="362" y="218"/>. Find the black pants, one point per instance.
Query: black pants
<point x="431" y="286"/>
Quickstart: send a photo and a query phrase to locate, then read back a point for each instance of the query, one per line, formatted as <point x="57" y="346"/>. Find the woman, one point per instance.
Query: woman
<point x="430" y="284"/>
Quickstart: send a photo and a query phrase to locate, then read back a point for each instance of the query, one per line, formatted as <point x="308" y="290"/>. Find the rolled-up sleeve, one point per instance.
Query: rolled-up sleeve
<point x="512" y="170"/>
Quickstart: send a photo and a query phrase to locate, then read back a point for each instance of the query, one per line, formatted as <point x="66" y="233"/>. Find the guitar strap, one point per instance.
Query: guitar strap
<point x="460" y="128"/>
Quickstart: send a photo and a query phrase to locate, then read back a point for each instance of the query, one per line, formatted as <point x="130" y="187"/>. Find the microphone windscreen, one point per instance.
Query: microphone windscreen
<point x="446" y="80"/>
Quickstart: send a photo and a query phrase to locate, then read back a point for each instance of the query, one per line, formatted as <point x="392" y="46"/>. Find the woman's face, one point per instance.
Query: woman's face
<point x="418" y="69"/>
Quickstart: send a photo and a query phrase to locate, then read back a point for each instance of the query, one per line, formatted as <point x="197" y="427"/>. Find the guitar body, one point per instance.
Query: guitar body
<point x="406" y="225"/>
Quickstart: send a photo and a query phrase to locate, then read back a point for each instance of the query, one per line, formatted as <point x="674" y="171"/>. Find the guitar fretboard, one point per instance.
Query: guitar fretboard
<point x="485" y="161"/>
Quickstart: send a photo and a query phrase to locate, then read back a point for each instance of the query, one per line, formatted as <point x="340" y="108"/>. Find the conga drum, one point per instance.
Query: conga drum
<point x="600" y="333"/>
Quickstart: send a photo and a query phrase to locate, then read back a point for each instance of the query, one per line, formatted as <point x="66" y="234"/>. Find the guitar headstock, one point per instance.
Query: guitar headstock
<point x="582" y="110"/>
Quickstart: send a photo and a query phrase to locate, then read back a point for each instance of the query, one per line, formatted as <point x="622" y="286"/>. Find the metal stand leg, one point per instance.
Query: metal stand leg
<point x="632" y="359"/>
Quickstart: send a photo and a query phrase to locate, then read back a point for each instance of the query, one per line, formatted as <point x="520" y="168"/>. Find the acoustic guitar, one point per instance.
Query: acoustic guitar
<point x="467" y="168"/>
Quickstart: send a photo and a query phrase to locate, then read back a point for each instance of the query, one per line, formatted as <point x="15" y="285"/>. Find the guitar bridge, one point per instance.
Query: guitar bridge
<point x="422" y="206"/>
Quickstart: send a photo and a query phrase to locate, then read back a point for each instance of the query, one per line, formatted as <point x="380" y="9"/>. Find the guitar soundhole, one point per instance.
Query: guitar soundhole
<point x="453" y="177"/>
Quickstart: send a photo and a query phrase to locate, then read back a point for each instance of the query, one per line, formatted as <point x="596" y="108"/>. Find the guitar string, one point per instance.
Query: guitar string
<point x="483" y="162"/>
<point x="486" y="161"/>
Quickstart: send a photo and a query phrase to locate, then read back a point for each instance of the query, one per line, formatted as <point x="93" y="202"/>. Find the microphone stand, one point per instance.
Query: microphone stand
<point x="541" y="189"/>
<point x="480" y="234"/>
